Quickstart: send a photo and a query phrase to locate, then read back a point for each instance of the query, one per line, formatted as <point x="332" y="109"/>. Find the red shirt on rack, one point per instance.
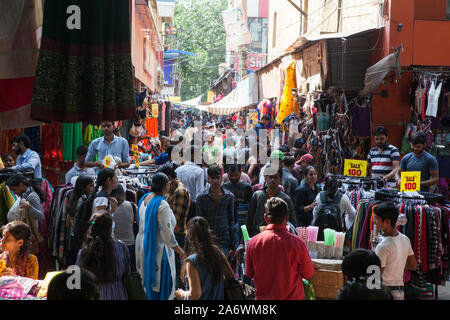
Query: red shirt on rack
<point x="277" y="260"/>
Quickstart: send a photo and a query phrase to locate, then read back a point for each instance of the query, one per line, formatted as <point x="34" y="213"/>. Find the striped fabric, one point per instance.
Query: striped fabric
<point x="382" y="161"/>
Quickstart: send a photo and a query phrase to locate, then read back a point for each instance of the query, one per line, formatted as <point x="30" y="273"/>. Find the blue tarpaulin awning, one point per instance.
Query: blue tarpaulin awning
<point x="175" y="54"/>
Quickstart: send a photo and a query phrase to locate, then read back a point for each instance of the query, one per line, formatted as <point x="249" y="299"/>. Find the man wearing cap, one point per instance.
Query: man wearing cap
<point x="276" y="154"/>
<point x="305" y="161"/>
<point x="255" y="219"/>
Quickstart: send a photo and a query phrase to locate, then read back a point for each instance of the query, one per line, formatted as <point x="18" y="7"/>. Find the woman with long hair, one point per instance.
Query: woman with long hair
<point x="84" y="187"/>
<point x="104" y="257"/>
<point x="205" y="267"/>
<point x="15" y="257"/>
<point x="156" y="243"/>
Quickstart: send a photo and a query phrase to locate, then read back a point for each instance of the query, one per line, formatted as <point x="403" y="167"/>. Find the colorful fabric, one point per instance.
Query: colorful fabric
<point x="72" y="136"/>
<point x="52" y="148"/>
<point x="86" y="73"/>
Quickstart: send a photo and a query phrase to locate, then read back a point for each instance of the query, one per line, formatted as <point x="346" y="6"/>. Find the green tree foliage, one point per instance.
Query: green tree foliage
<point x="201" y="31"/>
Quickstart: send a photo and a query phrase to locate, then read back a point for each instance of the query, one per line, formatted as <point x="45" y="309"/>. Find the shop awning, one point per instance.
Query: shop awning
<point x="192" y="103"/>
<point x="175" y="54"/>
<point x="244" y="95"/>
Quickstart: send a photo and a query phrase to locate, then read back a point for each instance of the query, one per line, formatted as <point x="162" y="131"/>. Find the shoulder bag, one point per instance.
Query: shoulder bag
<point x="132" y="281"/>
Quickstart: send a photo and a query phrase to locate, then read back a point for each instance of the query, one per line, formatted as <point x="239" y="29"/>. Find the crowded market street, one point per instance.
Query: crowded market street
<point x="224" y="150"/>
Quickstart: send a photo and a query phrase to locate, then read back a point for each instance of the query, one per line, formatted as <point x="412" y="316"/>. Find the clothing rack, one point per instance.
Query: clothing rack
<point x="395" y="196"/>
<point x="364" y="182"/>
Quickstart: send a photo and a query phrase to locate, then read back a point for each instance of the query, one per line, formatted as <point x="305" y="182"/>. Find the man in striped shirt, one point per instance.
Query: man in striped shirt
<point x="384" y="159"/>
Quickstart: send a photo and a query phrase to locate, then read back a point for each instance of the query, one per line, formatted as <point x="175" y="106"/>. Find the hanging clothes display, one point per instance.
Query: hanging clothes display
<point x="52" y="153"/>
<point x="20" y="24"/>
<point x="433" y="98"/>
<point x="6" y="138"/>
<point x="151" y="125"/>
<point x="361" y="119"/>
<point x="288" y="105"/>
<point x="265" y="108"/>
<point x="424" y="220"/>
<point x="86" y="72"/>
<point x="72" y="137"/>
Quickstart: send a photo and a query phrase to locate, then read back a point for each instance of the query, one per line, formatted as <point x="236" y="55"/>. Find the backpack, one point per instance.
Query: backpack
<point x="329" y="215"/>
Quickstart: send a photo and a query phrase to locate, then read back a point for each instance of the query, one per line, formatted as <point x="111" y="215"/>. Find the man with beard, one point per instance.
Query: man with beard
<point x="28" y="159"/>
<point x="108" y="144"/>
<point x="384" y="159"/>
<point x="420" y="160"/>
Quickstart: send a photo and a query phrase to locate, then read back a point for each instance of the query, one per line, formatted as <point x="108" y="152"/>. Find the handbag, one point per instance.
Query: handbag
<point x="132" y="281"/>
<point x="237" y="290"/>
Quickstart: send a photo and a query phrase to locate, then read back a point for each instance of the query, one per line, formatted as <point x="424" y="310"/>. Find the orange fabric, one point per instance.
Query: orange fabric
<point x="151" y="124"/>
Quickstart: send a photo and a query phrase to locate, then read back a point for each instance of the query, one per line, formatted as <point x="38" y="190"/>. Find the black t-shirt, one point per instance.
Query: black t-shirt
<point x="242" y="195"/>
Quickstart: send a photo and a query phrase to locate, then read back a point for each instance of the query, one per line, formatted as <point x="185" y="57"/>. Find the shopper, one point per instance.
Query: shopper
<point x="27" y="159"/>
<point x="104" y="257"/>
<point x="27" y="208"/>
<point x="263" y="124"/>
<point x="242" y="192"/>
<point x="333" y="204"/>
<point x="384" y="159"/>
<point x="205" y="265"/>
<point x="89" y="288"/>
<point x="179" y="200"/>
<point x="276" y="157"/>
<point x="124" y="217"/>
<point x="108" y="144"/>
<point x="257" y="204"/>
<point x="276" y="259"/>
<point x="191" y="175"/>
<point x="79" y="167"/>
<point x="289" y="182"/>
<point x="357" y="289"/>
<point x="84" y="187"/>
<point x="101" y="198"/>
<point x="356" y="263"/>
<point x="394" y="250"/>
<point x="305" y="197"/>
<point x="216" y="205"/>
<point x="298" y="169"/>
<point x="420" y="160"/>
<point x="306" y="160"/>
<point x="15" y="244"/>
<point x="8" y="160"/>
<point x="211" y="151"/>
<point x="155" y="243"/>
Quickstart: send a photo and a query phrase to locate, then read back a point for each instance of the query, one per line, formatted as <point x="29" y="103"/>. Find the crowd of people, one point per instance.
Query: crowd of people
<point x="182" y="237"/>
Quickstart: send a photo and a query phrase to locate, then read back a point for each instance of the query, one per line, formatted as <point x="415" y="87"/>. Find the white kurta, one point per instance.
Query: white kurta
<point x="165" y="240"/>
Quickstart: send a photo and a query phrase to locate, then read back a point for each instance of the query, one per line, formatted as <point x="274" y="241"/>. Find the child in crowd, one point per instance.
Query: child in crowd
<point x="358" y="275"/>
<point x="8" y="160"/>
<point x="89" y="288"/>
<point x="394" y="250"/>
<point x="15" y="243"/>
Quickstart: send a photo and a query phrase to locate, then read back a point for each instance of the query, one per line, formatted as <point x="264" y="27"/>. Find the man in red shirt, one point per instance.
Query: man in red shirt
<point x="276" y="259"/>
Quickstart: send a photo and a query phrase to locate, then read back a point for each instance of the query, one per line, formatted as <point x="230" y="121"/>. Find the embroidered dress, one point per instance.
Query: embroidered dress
<point x="28" y="267"/>
<point x="84" y="72"/>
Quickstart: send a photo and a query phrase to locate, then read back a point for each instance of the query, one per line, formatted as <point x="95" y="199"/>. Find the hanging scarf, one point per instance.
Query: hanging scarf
<point x="151" y="231"/>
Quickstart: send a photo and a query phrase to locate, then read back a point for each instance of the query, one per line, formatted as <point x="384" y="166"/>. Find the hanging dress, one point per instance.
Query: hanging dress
<point x="84" y="72"/>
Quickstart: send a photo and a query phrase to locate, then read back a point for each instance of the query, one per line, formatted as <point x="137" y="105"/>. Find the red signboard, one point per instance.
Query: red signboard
<point x="255" y="61"/>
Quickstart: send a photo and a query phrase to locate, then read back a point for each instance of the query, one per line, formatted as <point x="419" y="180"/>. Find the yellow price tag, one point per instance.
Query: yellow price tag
<point x="355" y="168"/>
<point x="107" y="162"/>
<point x="2" y="166"/>
<point x="410" y="181"/>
